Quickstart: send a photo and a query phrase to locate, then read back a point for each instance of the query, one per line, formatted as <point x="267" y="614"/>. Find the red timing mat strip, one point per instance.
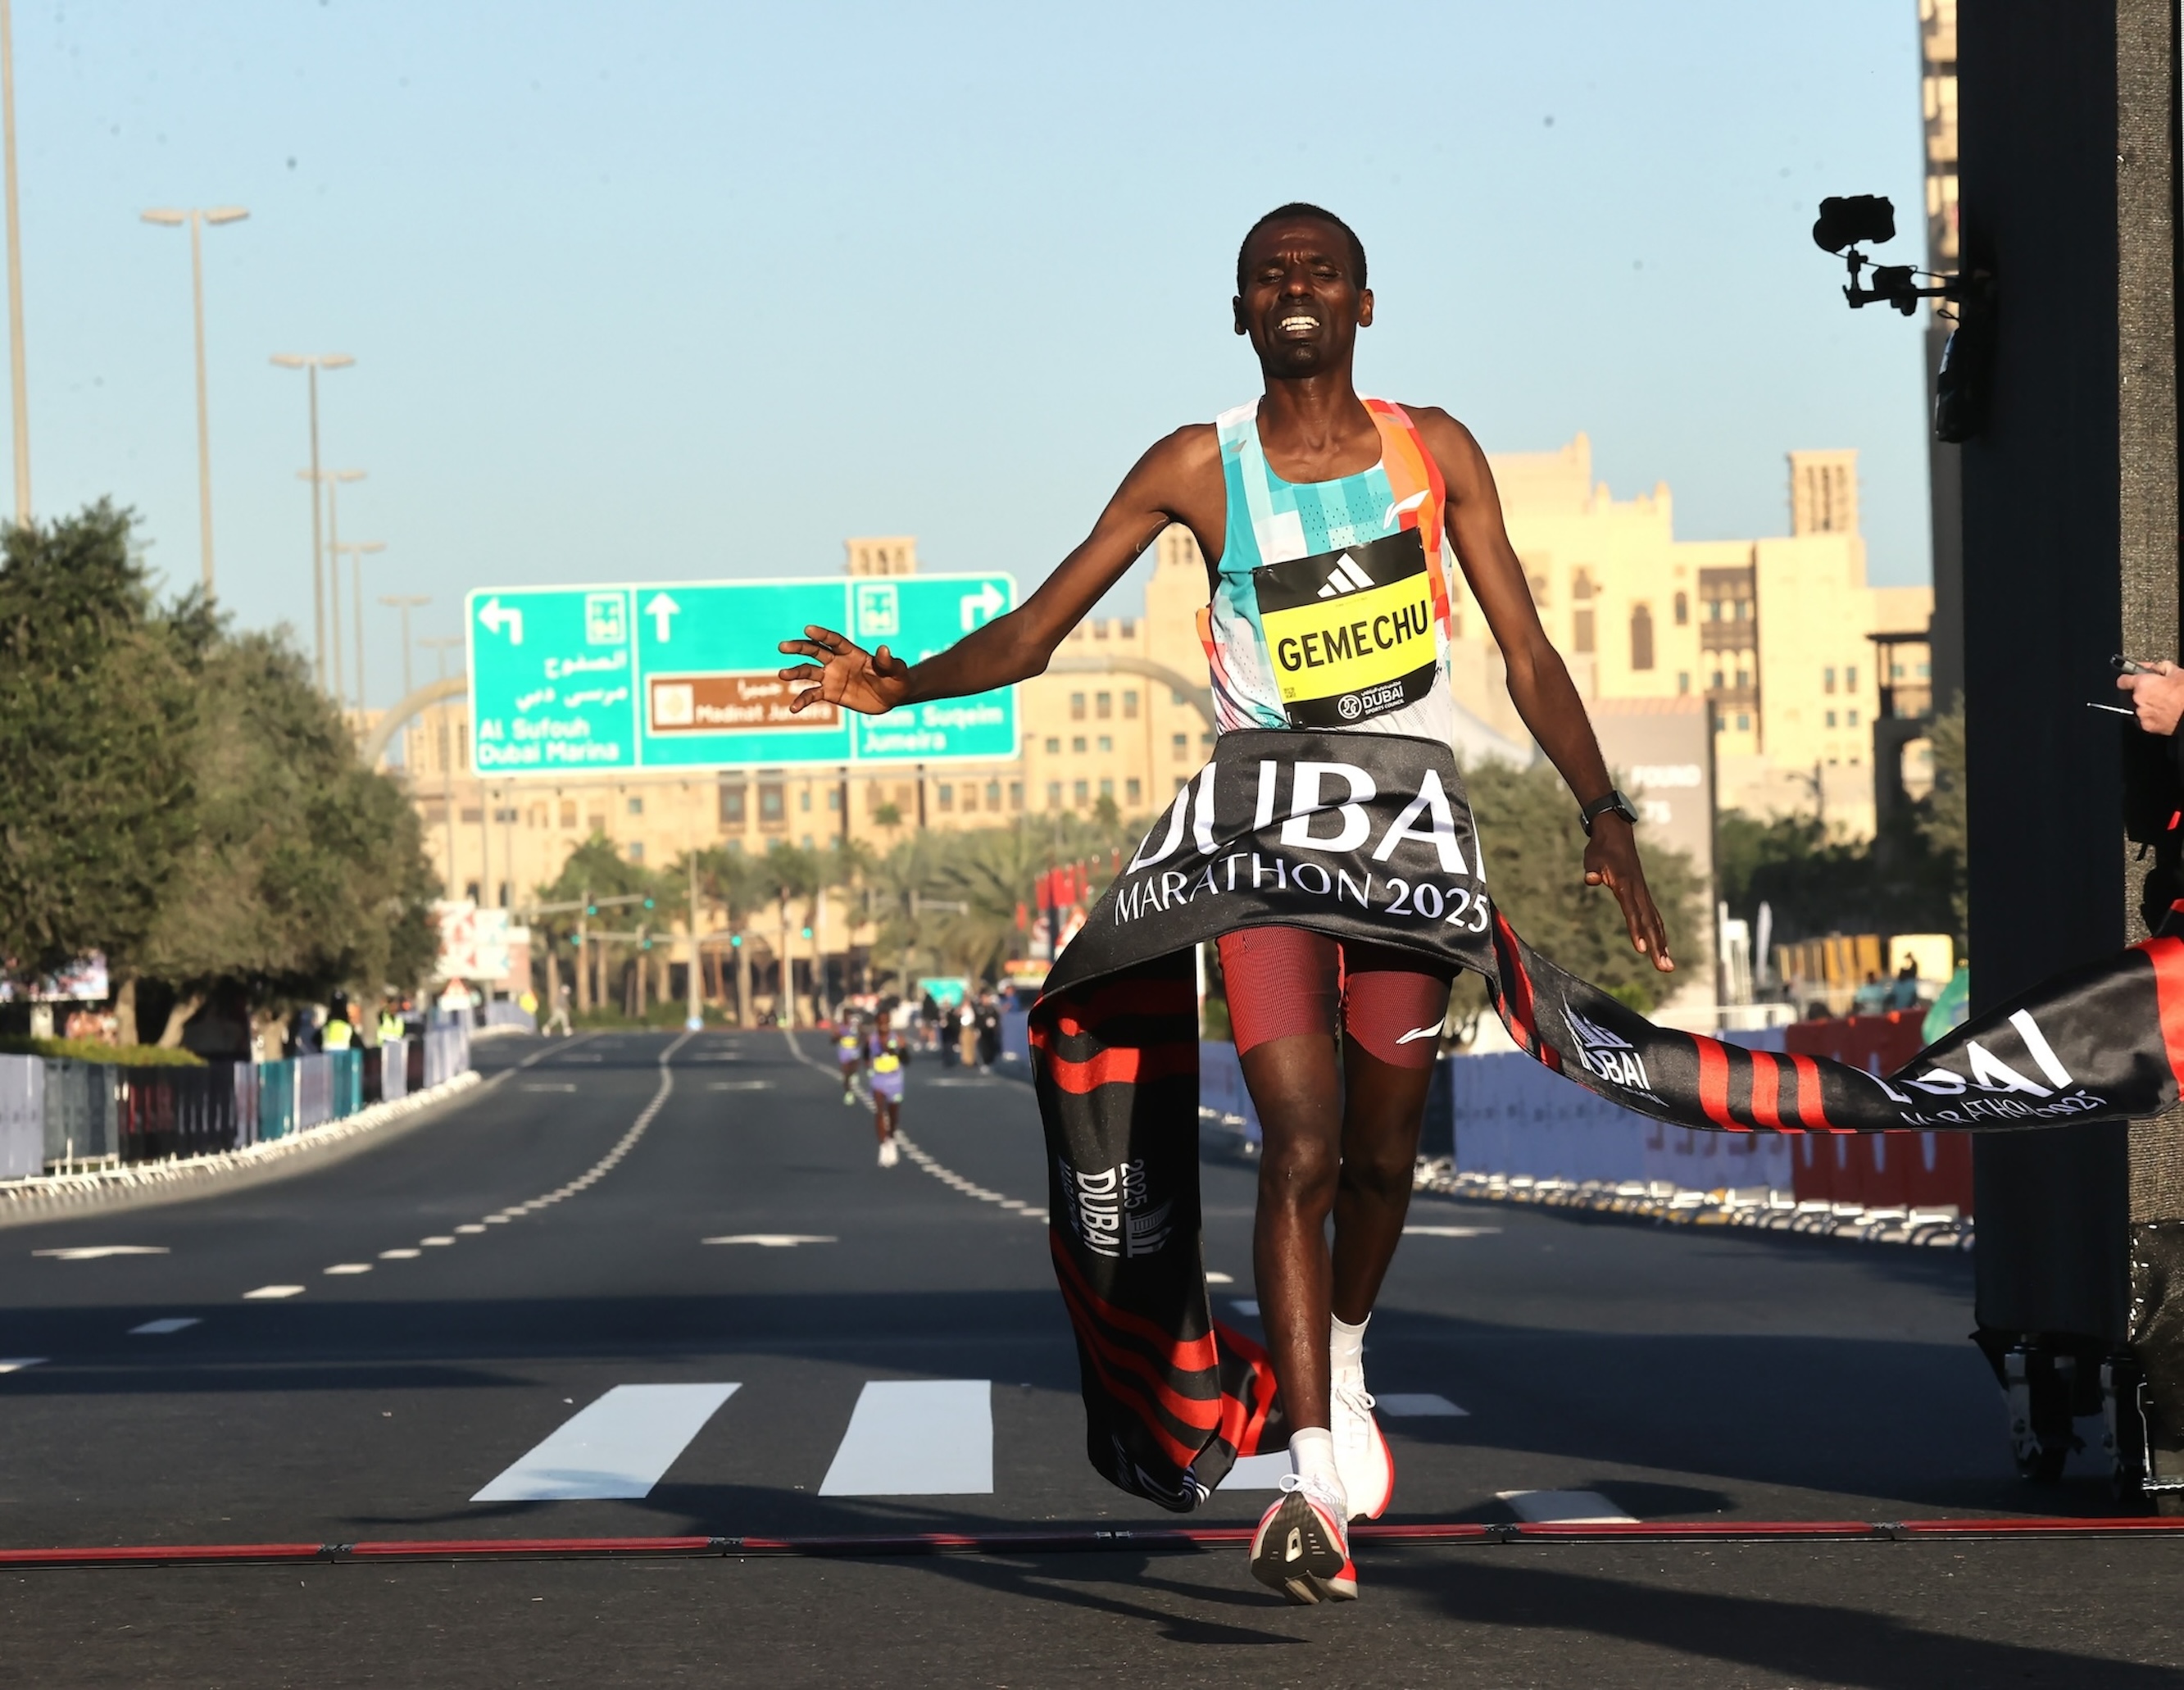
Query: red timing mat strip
<point x="1074" y="1542"/>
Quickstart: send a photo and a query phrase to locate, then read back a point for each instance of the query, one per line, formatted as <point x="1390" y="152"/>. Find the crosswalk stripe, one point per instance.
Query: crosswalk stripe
<point x="1419" y="1405"/>
<point x="1565" y="1508"/>
<point x="917" y="1437"/>
<point x="1258" y="1472"/>
<point x="618" y="1446"/>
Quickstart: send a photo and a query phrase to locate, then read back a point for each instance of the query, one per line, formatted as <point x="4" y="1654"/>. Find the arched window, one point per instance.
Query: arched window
<point x="1683" y="609"/>
<point x="1642" y="638"/>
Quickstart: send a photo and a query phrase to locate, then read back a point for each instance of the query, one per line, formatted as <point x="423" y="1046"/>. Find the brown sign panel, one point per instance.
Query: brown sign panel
<point x="721" y="704"/>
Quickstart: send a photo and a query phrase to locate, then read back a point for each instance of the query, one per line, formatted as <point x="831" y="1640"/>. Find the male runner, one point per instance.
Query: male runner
<point x="1308" y="471"/>
<point x="887" y="1095"/>
<point x="849" y="1056"/>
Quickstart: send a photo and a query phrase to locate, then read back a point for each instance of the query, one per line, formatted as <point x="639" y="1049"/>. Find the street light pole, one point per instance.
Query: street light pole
<point x="312" y="363"/>
<point x="438" y="647"/>
<point x="197" y="218"/>
<point x="358" y="550"/>
<point x="331" y="479"/>
<point x="18" y="379"/>
<point x="405" y="602"/>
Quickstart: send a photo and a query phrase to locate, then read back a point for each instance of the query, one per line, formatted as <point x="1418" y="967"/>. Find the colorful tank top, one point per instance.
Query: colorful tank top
<point x="1330" y="606"/>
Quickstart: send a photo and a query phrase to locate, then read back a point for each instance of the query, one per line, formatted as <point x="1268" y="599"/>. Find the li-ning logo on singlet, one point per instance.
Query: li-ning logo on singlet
<point x="1350" y="633"/>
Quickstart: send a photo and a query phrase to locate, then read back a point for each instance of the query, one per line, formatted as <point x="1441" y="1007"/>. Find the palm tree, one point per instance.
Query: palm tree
<point x="786" y="872"/>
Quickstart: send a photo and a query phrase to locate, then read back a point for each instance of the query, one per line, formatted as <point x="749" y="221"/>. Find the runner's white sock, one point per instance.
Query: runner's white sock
<point x="1311" y="1450"/>
<point x="1346" y="1346"/>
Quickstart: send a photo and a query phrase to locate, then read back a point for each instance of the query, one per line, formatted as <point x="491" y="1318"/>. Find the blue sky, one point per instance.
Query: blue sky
<point x="658" y="291"/>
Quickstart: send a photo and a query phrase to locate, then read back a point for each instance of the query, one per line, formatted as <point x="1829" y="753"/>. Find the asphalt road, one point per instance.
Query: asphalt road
<point x="883" y="1351"/>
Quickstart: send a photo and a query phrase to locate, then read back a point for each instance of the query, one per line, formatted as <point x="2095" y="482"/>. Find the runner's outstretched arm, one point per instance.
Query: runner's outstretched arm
<point x="1178" y="481"/>
<point x="1538" y="683"/>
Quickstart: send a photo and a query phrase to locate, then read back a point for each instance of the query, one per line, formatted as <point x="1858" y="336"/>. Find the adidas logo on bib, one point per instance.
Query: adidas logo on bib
<point x="1345" y="578"/>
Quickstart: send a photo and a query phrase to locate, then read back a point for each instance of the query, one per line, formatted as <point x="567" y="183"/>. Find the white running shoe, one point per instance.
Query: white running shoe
<point x="1361" y="1452"/>
<point x="1302" y="1546"/>
<point x="888" y="1154"/>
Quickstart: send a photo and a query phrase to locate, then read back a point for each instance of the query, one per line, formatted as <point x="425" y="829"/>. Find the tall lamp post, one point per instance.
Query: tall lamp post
<point x="197" y="218"/>
<point x="332" y="480"/>
<point x="358" y="550"/>
<point x="18" y="380"/>
<point x="405" y="602"/>
<point x="311" y="363"/>
<point x="438" y="647"/>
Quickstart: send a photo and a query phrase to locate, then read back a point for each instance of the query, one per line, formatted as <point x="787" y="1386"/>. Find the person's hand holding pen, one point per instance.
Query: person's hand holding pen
<point x="2157" y="694"/>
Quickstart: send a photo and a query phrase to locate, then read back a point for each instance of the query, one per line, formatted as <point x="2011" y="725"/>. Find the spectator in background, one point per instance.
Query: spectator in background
<point x="989" y="1031"/>
<point x="1904" y="993"/>
<point x="1872" y="997"/>
<point x="338" y="1035"/>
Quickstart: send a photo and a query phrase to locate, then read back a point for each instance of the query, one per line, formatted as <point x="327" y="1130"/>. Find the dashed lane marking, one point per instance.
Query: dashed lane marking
<point x="1214" y="1279"/>
<point x="741" y="1085"/>
<point x="470" y="1226"/>
<point x="946" y="1176"/>
<point x="94" y="1253"/>
<point x="271" y="1293"/>
<point x="1565" y="1508"/>
<point x="774" y="1241"/>
<point x="1246" y="1306"/>
<point x="617" y="1447"/>
<point x="1450" y="1231"/>
<point x="348" y="1268"/>
<point x="161" y="1327"/>
<point x="404" y="1254"/>
<point x="551" y="1086"/>
<point x="17" y="1364"/>
<point x="1416" y="1405"/>
<point x="917" y="1437"/>
<point x="438" y="1240"/>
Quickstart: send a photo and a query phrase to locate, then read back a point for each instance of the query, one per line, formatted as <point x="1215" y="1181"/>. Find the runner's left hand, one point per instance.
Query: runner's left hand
<point x="872" y="682"/>
<point x="1611" y="860"/>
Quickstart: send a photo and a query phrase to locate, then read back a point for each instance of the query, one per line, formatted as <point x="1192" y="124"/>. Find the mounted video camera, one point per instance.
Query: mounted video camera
<point x="1846" y="222"/>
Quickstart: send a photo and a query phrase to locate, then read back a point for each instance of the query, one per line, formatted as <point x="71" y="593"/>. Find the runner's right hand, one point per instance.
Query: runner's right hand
<point x="872" y="683"/>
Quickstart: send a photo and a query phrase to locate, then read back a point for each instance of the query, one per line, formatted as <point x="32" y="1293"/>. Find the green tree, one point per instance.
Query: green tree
<point x="1941" y="813"/>
<point x="304" y="874"/>
<point x="1534" y="850"/>
<point x="98" y="720"/>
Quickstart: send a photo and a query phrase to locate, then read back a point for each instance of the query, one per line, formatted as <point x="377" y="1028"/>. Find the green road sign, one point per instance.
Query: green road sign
<point x="681" y="675"/>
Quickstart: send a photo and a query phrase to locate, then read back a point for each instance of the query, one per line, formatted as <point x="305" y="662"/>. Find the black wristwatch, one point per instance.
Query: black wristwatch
<point x="1613" y="801"/>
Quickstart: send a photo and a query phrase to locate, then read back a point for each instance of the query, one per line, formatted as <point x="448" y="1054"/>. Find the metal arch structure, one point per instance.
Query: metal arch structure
<point x="1201" y="697"/>
<point x="431" y="693"/>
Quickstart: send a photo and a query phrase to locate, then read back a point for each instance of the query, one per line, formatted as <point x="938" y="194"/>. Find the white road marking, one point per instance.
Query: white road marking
<point x="17" y="1364"/>
<point x="271" y="1293"/>
<point x="404" y="1254"/>
<point x="1258" y="1472"/>
<point x="1246" y="1306"/>
<point x="161" y="1327"/>
<point x="618" y="1446"/>
<point x="547" y="1085"/>
<point x="495" y="1221"/>
<point x="741" y="1085"/>
<point x="349" y="1268"/>
<point x="1416" y="1405"/>
<point x="1565" y="1508"/>
<point x="775" y="1241"/>
<point x="1213" y="1278"/>
<point x="1450" y="1231"/>
<point x="917" y="1437"/>
<point x="92" y="1252"/>
<point x="437" y="1238"/>
<point x="470" y="1226"/>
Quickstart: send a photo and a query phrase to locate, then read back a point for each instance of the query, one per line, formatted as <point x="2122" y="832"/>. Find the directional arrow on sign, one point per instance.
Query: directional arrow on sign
<point x="497" y="618"/>
<point x="661" y="609"/>
<point x="987" y="598"/>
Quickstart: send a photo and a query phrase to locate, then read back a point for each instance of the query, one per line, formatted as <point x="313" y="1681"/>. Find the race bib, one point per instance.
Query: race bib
<point x="1349" y="633"/>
